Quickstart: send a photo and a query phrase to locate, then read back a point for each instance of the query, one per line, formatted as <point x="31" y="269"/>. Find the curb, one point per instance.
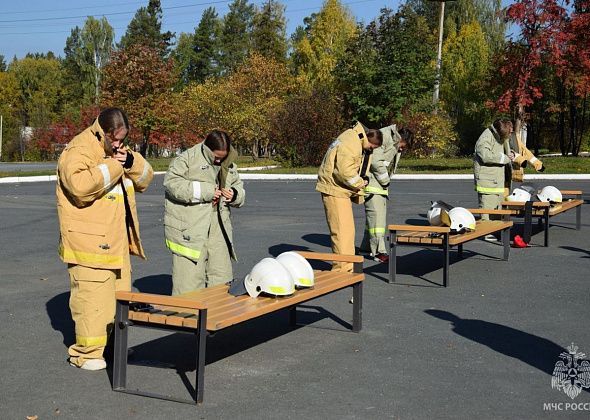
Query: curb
<point x="311" y="177"/>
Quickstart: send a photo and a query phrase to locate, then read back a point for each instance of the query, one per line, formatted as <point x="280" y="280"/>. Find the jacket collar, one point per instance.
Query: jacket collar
<point x="97" y="131"/>
<point x="495" y="134"/>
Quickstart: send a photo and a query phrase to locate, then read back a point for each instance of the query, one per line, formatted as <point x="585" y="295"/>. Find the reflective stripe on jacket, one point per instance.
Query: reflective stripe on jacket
<point x="490" y="162"/>
<point x="190" y="183"/>
<point x="384" y="162"/>
<point x="338" y="174"/>
<point x="91" y="203"/>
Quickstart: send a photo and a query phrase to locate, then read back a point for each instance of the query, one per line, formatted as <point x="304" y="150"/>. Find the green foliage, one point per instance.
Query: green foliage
<point x="434" y="135"/>
<point x="464" y="85"/>
<point x="303" y="129"/>
<point x="319" y="48"/>
<point x="10" y="115"/>
<point x="235" y="37"/>
<point x="388" y="68"/>
<point x="269" y="31"/>
<point x="2" y="63"/>
<point x="146" y="28"/>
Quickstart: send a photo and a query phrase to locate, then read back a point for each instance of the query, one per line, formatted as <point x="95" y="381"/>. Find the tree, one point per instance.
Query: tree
<point x="197" y="55"/>
<point x="269" y="31"/>
<point x="388" y="68"/>
<point x="140" y="81"/>
<point x="11" y="118"/>
<point x="318" y="52"/>
<point x="235" y="36"/>
<point x="2" y="63"/>
<point x="146" y="28"/>
<point x="465" y="79"/>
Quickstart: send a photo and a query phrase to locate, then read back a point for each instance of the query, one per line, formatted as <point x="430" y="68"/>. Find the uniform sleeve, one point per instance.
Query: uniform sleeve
<point x="234" y="182"/>
<point x="483" y="149"/>
<point x="526" y="154"/>
<point x="84" y="179"/>
<point x="182" y="189"/>
<point x="141" y="172"/>
<point x="382" y="158"/>
<point x="347" y="169"/>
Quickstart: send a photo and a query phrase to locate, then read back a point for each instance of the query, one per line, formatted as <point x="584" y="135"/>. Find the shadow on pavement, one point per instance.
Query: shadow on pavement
<point x="318" y="239"/>
<point x="275" y="250"/>
<point x="573" y="248"/>
<point x="160" y="284"/>
<point x="58" y="310"/>
<point x="533" y="350"/>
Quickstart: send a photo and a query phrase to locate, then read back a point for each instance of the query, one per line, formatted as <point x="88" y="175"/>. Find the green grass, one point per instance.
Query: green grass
<point x="553" y="165"/>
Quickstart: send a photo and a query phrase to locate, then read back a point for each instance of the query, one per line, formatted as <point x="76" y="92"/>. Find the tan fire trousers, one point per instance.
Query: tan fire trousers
<point x="92" y="303"/>
<point x="341" y="224"/>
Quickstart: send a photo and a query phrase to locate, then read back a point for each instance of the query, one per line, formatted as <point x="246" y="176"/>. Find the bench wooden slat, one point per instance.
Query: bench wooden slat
<point x="489" y="211"/>
<point x="262" y="305"/>
<point x="175" y="301"/>
<point x="566" y="205"/>
<point x="417" y="228"/>
<point x="571" y="192"/>
<point x="331" y="257"/>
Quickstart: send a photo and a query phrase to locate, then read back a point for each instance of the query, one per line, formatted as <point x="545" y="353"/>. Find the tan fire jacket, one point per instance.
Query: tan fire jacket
<point x="93" y="192"/>
<point x="339" y="173"/>
<point x="522" y="156"/>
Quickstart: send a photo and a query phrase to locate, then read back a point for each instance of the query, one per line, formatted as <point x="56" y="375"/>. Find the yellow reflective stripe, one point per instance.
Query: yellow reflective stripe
<point x="489" y="190"/>
<point x="277" y="290"/>
<point x="183" y="250"/>
<point x="89" y="257"/>
<point x="101" y="340"/>
<point x="375" y="190"/>
<point x="304" y="281"/>
<point x="376" y="230"/>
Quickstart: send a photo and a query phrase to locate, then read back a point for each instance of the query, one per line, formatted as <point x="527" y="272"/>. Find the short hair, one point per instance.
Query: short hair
<point x="112" y="119"/>
<point x="407" y="136"/>
<point x="375" y="137"/>
<point x="218" y="140"/>
<point x="502" y="127"/>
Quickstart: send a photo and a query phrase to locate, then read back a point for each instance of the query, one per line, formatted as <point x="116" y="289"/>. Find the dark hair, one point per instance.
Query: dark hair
<point x="112" y="119"/>
<point x="375" y="137"/>
<point x="218" y="140"/>
<point x="503" y="127"/>
<point x="407" y="136"/>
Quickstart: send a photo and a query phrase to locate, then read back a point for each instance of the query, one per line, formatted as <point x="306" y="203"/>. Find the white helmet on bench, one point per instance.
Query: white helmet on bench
<point x="298" y="267"/>
<point x="270" y="277"/>
<point x="433" y="214"/>
<point x="519" y="194"/>
<point x="550" y="194"/>
<point x="459" y="219"/>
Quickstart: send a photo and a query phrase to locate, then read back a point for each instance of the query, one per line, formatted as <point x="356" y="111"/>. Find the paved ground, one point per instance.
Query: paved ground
<point x="483" y="348"/>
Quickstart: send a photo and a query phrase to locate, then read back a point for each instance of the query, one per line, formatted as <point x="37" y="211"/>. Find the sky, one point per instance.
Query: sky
<point x="41" y="26"/>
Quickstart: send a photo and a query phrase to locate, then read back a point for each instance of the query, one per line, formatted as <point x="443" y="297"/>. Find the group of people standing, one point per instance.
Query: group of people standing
<point x="98" y="176"/>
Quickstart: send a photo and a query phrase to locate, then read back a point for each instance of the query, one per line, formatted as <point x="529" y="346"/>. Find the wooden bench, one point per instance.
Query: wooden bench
<point x="441" y="237"/>
<point x="543" y="211"/>
<point x="212" y="309"/>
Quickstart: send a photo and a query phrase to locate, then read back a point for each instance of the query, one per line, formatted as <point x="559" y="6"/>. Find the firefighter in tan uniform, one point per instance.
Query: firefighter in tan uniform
<point x="383" y="164"/>
<point x="342" y="177"/>
<point x="97" y="177"/>
<point x="492" y="165"/>
<point x="522" y="156"/>
<point x="202" y="185"/>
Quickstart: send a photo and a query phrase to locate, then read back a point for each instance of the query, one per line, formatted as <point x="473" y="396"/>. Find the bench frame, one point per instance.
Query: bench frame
<point x="445" y="244"/>
<point x="125" y="300"/>
<point x="542" y="211"/>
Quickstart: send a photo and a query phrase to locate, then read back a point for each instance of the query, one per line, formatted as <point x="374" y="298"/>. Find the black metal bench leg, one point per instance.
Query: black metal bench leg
<point x="392" y="255"/>
<point x="201" y="352"/>
<point x="546" y="221"/>
<point x="506" y="243"/>
<point x="446" y="260"/>
<point x="120" y="351"/>
<point x="293" y="316"/>
<point x="579" y="216"/>
<point x="460" y="251"/>
<point x="357" y="307"/>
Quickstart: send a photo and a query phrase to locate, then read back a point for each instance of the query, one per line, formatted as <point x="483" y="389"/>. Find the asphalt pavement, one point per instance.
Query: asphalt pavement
<point x="485" y="347"/>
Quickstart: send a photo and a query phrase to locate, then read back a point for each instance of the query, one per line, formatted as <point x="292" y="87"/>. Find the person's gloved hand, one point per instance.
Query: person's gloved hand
<point x="524" y="163"/>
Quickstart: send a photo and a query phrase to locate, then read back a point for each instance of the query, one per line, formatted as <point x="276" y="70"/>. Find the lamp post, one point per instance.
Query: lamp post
<point x="439" y="54"/>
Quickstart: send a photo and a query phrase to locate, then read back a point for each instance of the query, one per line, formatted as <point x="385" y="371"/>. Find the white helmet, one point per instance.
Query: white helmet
<point x="459" y="219"/>
<point x="269" y="276"/>
<point x="550" y="194"/>
<point x="518" y="194"/>
<point x="298" y="267"/>
<point x="433" y="214"/>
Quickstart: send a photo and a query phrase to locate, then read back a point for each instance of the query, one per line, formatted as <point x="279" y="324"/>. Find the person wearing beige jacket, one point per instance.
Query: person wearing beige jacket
<point x="342" y="177"/>
<point x="97" y="177"/>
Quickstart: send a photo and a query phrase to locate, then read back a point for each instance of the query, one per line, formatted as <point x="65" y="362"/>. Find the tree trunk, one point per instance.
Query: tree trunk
<point x="145" y="142"/>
